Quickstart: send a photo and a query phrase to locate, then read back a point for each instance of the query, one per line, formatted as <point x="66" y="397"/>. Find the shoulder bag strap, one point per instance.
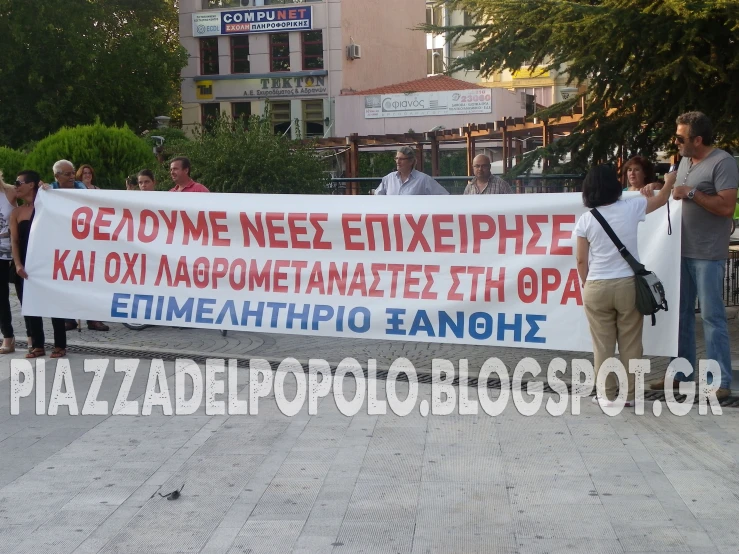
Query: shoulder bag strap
<point x="635" y="265"/>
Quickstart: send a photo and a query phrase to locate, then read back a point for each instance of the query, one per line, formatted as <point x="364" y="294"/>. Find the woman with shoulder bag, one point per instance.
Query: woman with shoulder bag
<point x="609" y="295"/>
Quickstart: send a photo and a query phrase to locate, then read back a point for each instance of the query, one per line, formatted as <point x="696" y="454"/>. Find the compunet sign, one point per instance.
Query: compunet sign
<point x="266" y="20"/>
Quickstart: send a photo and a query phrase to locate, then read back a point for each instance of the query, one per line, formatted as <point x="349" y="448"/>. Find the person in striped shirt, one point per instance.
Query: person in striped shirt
<point x="484" y="181"/>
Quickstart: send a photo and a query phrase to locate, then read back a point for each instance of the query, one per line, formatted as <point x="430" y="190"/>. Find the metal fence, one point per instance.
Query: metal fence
<point x="456" y="184"/>
<point x="731" y="279"/>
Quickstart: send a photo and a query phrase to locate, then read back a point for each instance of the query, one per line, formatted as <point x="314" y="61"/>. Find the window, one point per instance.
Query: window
<point x="278" y="2"/>
<point x="280" y="117"/>
<point x="543" y="95"/>
<point x="209" y="56"/>
<point x="216" y="4"/>
<point x="312" y="49"/>
<point x="279" y="52"/>
<point x="241" y="110"/>
<point x="475" y="66"/>
<point x="467" y="18"/>
<point x="434" y="61"/>
<point x="209" y="113"/>
<point x="211" y="4"/>
<point x="313" y="118"/>
<point x="434" y="15"/>
<point x="240" y="54"/>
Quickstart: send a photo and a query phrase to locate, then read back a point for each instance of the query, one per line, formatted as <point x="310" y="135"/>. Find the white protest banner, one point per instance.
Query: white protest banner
<point x="489" y="269"/>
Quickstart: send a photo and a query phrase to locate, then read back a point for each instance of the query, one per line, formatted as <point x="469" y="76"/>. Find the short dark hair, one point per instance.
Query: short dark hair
<point x="30" y="175"/>
<point x="132" y="180"/>
<point x="184" y="161"/>
<point x="601" y="186"/>
<point x="648" y="167"/>
<point x="700" y="126"/>
<point x="147" y="173"/>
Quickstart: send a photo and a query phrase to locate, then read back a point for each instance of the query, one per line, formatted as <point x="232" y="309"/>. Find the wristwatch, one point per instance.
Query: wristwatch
<point x="691" y="194"/>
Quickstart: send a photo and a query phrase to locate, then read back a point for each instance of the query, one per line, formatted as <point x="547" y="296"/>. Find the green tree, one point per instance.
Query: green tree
<point x="113" y="152"/>
<point x="247" y="156"/>
<point x="72" y="62"/>
<point x="644" y="61"/>
<point x="376" y="164"/>
<point x="11" y="163"/>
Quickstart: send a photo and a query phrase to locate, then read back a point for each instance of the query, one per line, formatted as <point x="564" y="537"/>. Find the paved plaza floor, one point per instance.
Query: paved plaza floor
<point x="364" y="483"/>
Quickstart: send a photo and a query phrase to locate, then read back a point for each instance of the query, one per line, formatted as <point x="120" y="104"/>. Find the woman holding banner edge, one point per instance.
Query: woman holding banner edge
<point x="609" y="295"/>
<point x="27" y="185"/>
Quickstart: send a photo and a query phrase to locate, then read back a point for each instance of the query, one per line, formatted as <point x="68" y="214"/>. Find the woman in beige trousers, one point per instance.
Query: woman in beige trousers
<point x="609" y="295"/>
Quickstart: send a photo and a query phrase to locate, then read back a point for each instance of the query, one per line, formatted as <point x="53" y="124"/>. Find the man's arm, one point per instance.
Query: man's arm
<point x="721" y="204"/>
<point x="382" y="189"/>
<point x="725" y="179"/>
<point x="433" y="187"/>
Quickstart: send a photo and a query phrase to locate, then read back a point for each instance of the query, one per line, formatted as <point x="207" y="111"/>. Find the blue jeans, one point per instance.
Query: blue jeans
<point x="704" y="279"/>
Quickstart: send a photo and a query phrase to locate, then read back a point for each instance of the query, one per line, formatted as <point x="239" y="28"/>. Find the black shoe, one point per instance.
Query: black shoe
<point x="97" y="326"/>
<point x="70" y="325"/>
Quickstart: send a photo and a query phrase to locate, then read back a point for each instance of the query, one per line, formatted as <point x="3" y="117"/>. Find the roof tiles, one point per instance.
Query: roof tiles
<point x="428" y="84"/>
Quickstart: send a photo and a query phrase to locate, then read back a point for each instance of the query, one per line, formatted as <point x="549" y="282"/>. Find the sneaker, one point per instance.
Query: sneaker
<point x="660" y="385"/>
<point x="722" y="394"/>
<point x="611" y="403"/>
<point x="97" y="326"/>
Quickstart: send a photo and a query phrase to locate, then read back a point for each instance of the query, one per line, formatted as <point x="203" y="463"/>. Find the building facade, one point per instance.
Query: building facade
<point x="432" y="103"/>
<point x="543" y="86"/>
<point x="293" y="57"/>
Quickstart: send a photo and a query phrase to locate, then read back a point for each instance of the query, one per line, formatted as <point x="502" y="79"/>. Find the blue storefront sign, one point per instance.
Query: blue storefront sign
<point x="261" y="20"/>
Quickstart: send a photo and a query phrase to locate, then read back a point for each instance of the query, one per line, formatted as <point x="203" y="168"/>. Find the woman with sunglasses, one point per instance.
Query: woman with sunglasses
<point x="27" y="186"/>
<point x="7" y="205"/>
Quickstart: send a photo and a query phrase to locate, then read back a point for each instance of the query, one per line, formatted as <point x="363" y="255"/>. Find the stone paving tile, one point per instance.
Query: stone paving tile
<point x="540" y="545"/>
<point x="331" y="483"/>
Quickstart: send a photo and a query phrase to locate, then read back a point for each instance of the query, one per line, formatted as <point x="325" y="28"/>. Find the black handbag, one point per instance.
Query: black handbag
<point x="12" y="275"/>
<point x="650" y="293"/>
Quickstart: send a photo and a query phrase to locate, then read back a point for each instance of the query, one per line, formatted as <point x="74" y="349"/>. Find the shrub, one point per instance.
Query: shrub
<point x="113" y="152"/>
<point x="376" y="164"/>
<point x="239" y="156"/>
<point x="12" y="162"/>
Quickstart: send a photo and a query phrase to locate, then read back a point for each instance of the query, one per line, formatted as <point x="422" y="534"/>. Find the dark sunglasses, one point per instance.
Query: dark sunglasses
<point x="680" y="140"/>
<point x="19" y="184"/>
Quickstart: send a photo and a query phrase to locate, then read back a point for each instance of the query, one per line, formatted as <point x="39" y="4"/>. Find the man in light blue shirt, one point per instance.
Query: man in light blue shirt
<point x="406" y="180"/>
<point x="64" y="175"/>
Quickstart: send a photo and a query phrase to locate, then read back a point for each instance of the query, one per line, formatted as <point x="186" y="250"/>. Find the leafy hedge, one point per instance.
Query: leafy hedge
<point x="12" y="162"/>
<point x="247" y="156"/>
<point x="113" y="152"/>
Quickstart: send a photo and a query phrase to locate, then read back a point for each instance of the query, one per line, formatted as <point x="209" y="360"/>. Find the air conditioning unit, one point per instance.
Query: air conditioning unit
<point x="353" y="51"/>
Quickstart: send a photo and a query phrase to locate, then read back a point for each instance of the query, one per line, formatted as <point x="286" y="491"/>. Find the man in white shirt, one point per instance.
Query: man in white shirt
<point x="406" y="180"/>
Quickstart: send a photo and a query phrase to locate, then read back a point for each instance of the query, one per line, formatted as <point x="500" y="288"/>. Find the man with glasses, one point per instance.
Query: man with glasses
<point x="64" y="175"/>
<point x="406" y="180"/>
<point x="485" y="182"/>
<point x="706" y="182"/>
